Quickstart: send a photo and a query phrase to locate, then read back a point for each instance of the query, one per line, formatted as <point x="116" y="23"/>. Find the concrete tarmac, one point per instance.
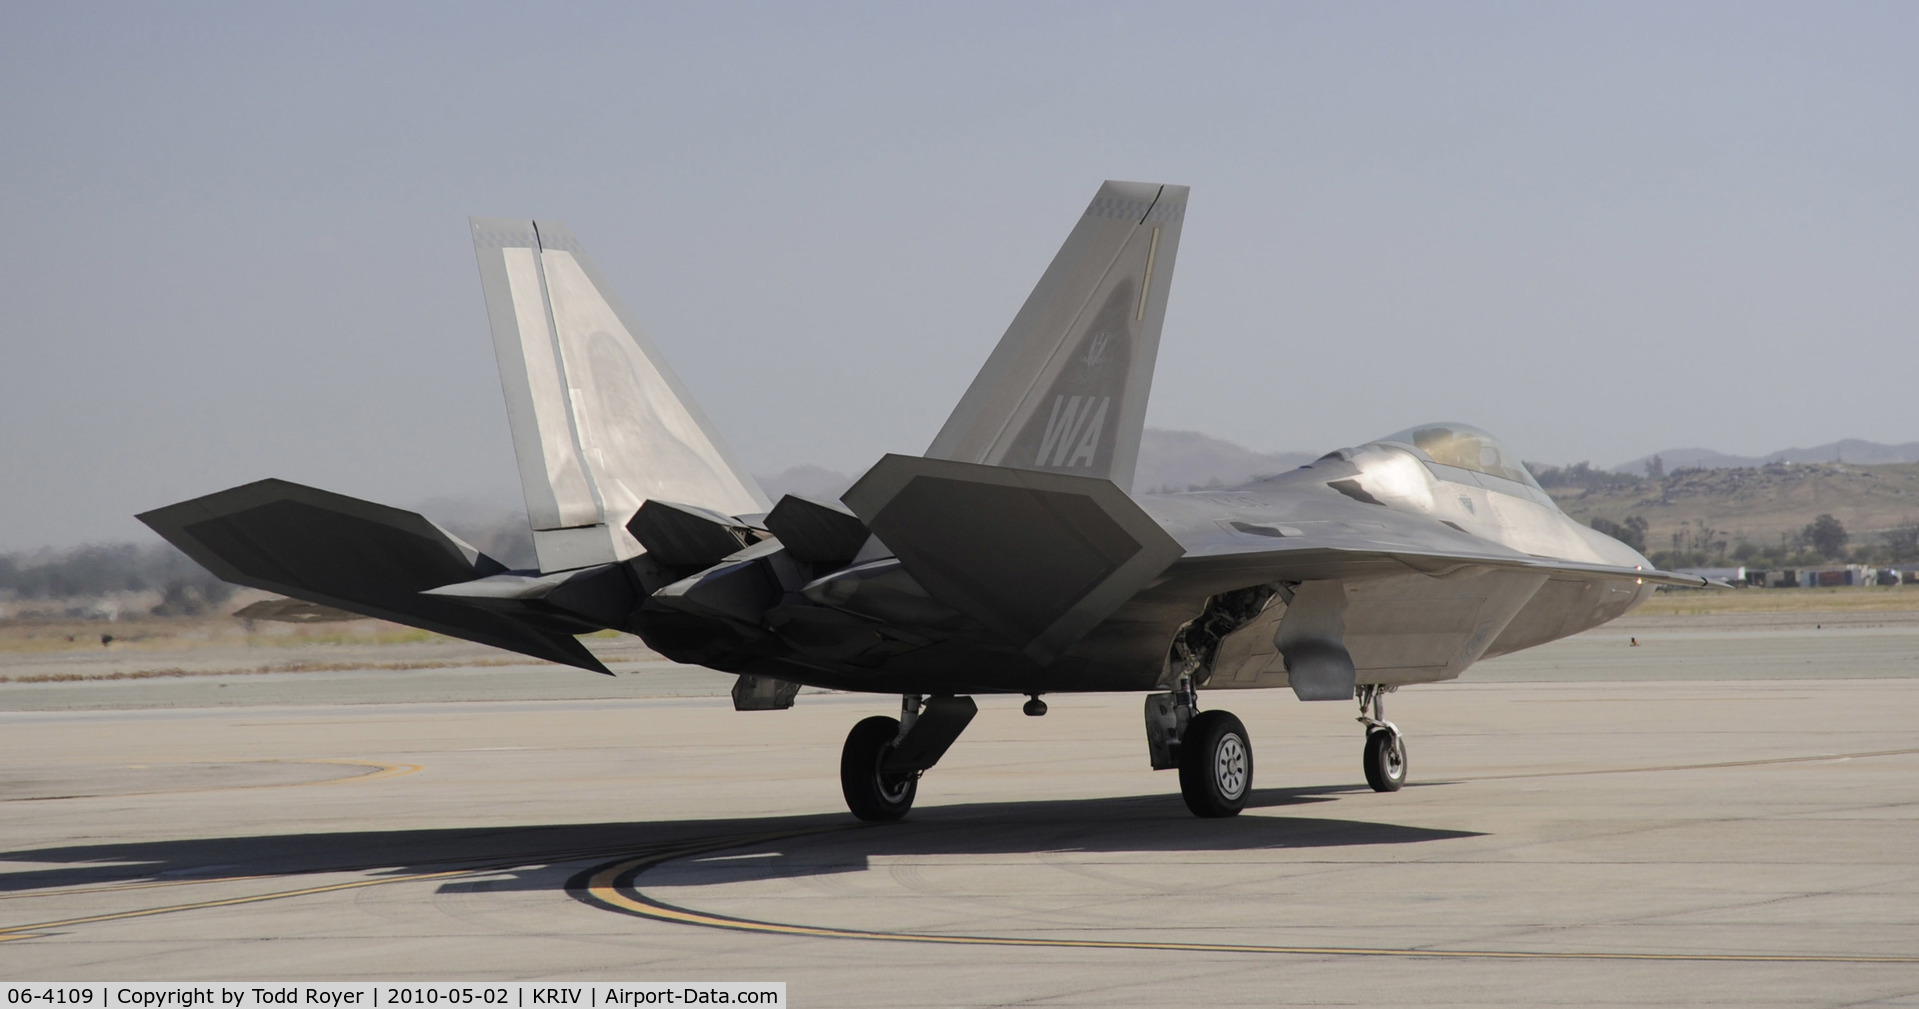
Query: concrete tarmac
<point x="1580" y="831"/>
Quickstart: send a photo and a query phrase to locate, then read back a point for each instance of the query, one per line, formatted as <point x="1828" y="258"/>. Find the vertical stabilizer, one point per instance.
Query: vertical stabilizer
<point x="600" y="423"/>
<point x="1066" y="388"/>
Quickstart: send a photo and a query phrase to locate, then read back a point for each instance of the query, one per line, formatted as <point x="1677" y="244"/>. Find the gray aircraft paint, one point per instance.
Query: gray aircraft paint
<point x="1065" y="390"/>
<point x="600" y="423"/>
<point x="1012" y="559"/>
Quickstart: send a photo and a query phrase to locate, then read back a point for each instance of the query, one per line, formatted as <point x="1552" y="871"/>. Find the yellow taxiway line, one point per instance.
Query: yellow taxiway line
<point x="614" y="887"/>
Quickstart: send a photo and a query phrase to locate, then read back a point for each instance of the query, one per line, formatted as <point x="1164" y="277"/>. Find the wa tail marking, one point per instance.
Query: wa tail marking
<point x="1074" y="427"/>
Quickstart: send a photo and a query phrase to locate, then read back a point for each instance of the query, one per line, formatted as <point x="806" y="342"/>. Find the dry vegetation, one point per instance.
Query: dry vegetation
<point x="1759" y="505"/>
<point x="46" y="649"/>
<point x="1709" y="602"/>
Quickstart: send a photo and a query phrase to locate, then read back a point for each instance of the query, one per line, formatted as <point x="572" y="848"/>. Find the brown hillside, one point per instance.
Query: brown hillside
<point x="1759" y="505"/>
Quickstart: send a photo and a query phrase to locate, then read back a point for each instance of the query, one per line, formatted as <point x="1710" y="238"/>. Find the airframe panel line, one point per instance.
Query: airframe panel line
<point x="613" y="887"/>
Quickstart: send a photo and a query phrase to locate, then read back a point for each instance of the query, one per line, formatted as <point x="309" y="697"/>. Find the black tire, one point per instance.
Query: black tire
<point x="872" y="796"/>
<point x="1385" y="760"/>
<point x="1215" y="765"/>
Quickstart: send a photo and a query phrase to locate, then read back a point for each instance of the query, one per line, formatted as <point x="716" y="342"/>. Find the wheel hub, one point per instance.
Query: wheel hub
<point x="1395" y="759"/>
<point x="1229" y="766"/>
<point x="892" y="787"/>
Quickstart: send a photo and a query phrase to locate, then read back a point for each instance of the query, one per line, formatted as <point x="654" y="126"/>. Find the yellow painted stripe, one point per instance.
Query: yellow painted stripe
<point x="1146" y="283"/>
<point x="605" y="887"/>
<point x="382" y="769"/>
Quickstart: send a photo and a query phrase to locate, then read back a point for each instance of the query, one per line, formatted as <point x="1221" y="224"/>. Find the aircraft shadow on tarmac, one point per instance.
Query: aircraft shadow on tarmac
<point x="545" y="857"/>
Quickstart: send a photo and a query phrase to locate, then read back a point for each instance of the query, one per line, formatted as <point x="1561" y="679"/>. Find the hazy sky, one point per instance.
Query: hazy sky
<point x="238" y="242"/>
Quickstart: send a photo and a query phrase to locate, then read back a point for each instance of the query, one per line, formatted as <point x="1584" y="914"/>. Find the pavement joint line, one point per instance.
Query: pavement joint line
<point x="23" y="931"/>
<point x="133" y="885"/>
<point x="381" y="769"/>
<point x="522" y="858"/>
<point x="32" y="929"/>
<point x="1812" y="759"/>
<point x="614" y="887"/>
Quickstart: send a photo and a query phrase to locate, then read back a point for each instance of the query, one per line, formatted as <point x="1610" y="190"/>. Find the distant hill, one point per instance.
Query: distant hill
<point x="806" y="481"/>
<point x="1168" y="461"/>
<point x="1757" y="504"/>
<point x="1188" y="460"/>
<point x="1848" y="450"/>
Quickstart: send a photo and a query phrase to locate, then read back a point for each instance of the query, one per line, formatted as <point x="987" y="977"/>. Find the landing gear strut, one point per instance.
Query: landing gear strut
<point x="1385" y="757"/>
<point x="881" y="763"/>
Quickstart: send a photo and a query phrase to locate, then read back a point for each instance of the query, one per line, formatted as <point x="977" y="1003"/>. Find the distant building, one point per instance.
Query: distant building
<point x="1825" y="576"/>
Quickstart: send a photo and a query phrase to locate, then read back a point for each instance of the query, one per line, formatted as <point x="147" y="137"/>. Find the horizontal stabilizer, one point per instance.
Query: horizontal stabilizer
<point x="1040" y="558"/>
<point x="353" y="555"/>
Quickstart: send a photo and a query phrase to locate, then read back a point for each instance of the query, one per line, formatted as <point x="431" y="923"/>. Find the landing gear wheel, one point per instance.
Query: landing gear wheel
<point x="1215" y="765"/>
<point x="1385" y="760"/>
<point x="874" y="796"/>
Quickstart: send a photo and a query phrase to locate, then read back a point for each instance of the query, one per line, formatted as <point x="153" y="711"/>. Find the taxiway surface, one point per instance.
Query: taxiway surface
<point x="1581" y="830"/>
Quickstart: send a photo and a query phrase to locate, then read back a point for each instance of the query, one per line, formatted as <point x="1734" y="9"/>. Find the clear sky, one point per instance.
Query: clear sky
<point x="237" y="240"/>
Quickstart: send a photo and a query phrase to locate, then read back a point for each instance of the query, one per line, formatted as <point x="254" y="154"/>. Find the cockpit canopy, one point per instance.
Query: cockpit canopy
<point x="1465" y="447"/>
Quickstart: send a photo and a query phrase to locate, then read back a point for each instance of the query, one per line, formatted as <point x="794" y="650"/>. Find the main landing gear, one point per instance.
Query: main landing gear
<point x="881" y="763"/>
<point x="1211" y="749"/>
<point x="1385" y="758"/>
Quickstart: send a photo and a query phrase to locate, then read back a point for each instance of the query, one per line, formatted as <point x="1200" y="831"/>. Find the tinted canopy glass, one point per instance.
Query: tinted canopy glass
<point x="1466" y="447"/>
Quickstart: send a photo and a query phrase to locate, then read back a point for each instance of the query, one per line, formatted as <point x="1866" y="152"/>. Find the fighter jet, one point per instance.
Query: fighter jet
<point x="1010" y="558"/>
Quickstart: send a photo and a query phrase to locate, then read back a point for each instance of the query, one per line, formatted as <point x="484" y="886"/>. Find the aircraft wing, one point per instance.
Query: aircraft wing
<point x="1040" y="558"/>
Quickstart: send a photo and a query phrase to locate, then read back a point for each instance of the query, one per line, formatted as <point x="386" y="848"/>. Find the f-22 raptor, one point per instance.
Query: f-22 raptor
<point x="1010" y="558"/>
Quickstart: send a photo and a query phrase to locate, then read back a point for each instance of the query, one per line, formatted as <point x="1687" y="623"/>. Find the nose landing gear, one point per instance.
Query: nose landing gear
<point x="1385" y="755"/>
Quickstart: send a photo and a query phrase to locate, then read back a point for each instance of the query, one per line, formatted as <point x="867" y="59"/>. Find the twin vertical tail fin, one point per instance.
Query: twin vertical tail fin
<point x="615" y="459"/>
<point x="1065" y="390"/>
<point x="1041" y="558"/>
<point x="600" y="423"/>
